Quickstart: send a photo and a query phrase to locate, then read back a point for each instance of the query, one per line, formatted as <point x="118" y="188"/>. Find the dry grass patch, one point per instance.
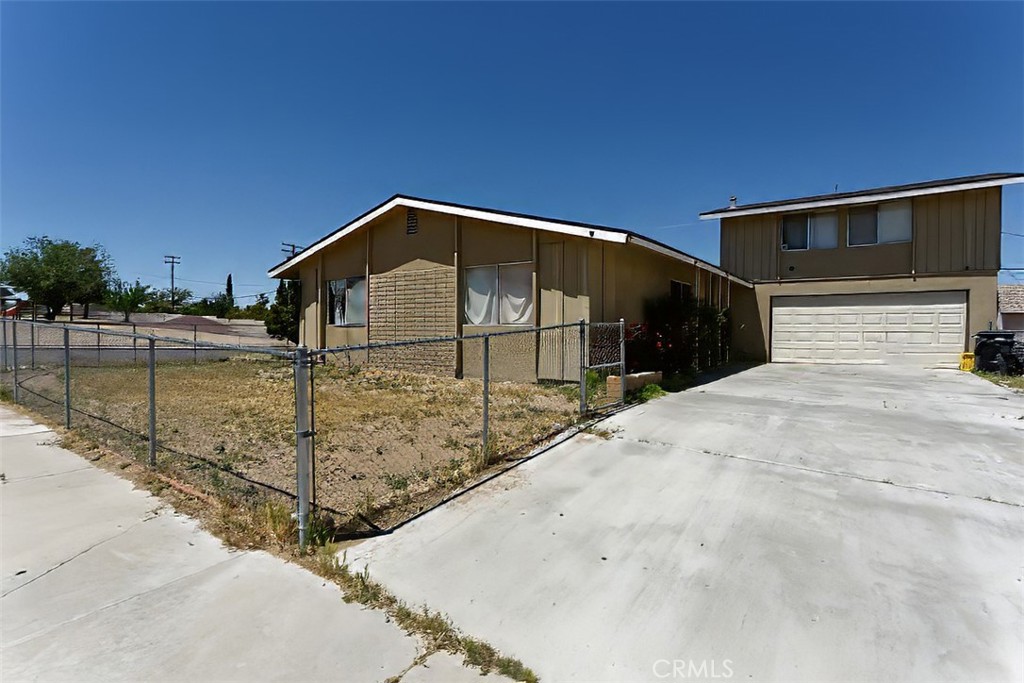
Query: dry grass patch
<point x="388" y="443"/>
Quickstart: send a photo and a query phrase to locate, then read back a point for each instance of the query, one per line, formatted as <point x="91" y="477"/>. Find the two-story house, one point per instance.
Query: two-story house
<point x="894" y="274"/>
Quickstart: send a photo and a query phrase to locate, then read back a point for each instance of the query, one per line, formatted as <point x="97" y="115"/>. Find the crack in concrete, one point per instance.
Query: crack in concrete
<point x="43" y="476"/>
<point x="115" y="603"/>
<point x="804" y="468"/>
<point x="75" y="556"/>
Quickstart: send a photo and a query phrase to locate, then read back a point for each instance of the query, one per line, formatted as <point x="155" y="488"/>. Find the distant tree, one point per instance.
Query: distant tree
<point x="282" y="319"/>
<point x="160" y="300"/>
<point x="128" y="298"/>
<point x="217" y="305"/>
<point x="56" y="273"/>
<point x="229" y="291"/>
<point x="254" y="311"/>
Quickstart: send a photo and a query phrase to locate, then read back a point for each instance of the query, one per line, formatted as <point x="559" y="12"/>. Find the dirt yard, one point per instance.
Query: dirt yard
<point x="388" y="443"/>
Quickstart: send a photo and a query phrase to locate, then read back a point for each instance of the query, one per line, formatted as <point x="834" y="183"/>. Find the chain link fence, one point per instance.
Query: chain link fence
<point x="370" y="434"/>
<point x="214" y="416"/>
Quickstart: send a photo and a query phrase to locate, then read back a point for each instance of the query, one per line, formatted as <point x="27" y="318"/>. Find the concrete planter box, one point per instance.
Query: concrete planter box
<point x="634" y="381"/>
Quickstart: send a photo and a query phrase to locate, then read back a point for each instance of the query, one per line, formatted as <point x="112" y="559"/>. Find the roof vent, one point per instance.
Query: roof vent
<point x="732" y="202"/>
<point x="412" y="222"/>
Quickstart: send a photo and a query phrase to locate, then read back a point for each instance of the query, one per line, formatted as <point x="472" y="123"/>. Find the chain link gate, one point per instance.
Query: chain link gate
<point x="605" y="365"/>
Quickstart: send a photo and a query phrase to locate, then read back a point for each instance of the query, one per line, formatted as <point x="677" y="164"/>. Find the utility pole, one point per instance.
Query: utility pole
<point x="173" y="261"/>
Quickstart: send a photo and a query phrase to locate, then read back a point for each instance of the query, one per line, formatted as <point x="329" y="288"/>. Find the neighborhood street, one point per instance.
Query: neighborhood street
<point x="102" y="582"/>
<point x="790" y="522"/>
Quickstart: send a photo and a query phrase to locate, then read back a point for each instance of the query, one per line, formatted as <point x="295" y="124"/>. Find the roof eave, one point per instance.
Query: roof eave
<point x="800" y="205"/>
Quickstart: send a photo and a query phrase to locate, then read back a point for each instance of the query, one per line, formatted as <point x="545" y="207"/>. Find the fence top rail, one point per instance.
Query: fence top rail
<point x="199" y="344"/>
<point x="438" y="340"/>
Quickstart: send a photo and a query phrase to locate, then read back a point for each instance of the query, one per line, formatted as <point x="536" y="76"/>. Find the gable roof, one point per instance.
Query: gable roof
<point x="575" y="228"/>
<point x="1011" y="298"/>
<point x="866" y="196"/>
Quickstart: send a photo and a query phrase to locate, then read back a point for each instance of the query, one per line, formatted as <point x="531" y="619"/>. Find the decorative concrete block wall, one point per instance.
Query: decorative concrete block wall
<point x="414" y="304"/>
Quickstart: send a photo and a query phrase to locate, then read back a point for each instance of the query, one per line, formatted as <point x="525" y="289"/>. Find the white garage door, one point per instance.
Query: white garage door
<point x="920" y="328"/>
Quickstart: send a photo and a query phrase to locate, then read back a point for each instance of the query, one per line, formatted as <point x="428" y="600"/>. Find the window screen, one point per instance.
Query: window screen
<point x="515" y="287"/>
<point x="481" y="295"/>
<point x="499" y="295"/>
<point x="824" y="230"/>
<point x="895" y="222"/>
<point x="794" y="231"/>
<point x="863" y="226"/>
<point x="346" y="301"/>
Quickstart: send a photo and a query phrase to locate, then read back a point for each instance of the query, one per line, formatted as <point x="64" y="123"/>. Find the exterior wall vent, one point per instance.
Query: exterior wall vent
<point x="412" y="222"/>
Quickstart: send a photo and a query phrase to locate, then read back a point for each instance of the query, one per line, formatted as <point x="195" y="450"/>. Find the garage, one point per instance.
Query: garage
<point x="918" y="328"/>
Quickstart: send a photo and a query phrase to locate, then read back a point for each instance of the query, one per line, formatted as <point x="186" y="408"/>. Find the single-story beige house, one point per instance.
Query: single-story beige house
<point x="904" y="273"/>
<point x="1011" y="307"/>
<point x="413" y="268"/>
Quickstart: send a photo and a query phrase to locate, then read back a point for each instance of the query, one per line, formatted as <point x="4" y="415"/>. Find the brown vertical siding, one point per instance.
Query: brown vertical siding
<point x="953" y="232"/>
<point x="957" y="231"/>
<point x="749" y="245"/>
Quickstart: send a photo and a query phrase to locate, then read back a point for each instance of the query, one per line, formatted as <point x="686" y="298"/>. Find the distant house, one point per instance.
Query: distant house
<point x="414" y="268"/>
<point x="1011" y="307"/>
<point x="894" y="274"/>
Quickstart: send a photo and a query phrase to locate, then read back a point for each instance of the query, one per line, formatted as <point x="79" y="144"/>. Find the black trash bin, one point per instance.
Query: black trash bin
<point x="999" y="351"/>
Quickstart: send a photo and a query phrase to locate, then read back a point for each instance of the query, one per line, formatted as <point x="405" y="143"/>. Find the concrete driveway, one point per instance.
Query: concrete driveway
<point x="785" y="523"/>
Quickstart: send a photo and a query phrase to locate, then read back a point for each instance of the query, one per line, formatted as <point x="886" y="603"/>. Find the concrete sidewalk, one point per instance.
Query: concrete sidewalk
<point x="102" y="582"/>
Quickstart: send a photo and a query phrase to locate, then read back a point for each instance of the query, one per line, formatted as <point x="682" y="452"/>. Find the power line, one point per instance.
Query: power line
<point x="203" y="282"/>
<point x="1012" y="234"/>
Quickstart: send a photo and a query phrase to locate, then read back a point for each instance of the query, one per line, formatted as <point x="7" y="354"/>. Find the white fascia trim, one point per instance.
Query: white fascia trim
<point x="646" y="244"/>
<point x="534" y="223"/>
<point x="864" y="199"/>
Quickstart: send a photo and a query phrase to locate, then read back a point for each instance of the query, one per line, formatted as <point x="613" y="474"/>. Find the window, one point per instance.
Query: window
<point x="882" y="224"/>
<point x="346" y="301"/>
<point x="824" y="229"/>
<point x="680" y="291"/>
<point x="499" y="295"/>
<point x="810" y="231"/>
<point x="863" y="226"/>
<point x="794" y="231"/>
<point x="895" y="222"/>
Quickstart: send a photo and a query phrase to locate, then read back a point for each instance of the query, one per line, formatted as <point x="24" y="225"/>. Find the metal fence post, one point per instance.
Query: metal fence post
<point x="195" y="338"/>
<point x="301" y="371"/>
<point x="487" y="395"/>
<point x="583" y="367"/>
<point x="622" y="360"/>
<point x="152" y="402"/>
<point x="99" y="357"/>
<point x="135" y="345"/>
<point x="67" y="378"/>
<point x="32" y="345"/>
<point x="6" y="364"/>
<point x="14" y="347"/>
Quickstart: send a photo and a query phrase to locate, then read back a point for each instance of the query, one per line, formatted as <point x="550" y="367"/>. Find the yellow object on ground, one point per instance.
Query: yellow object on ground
<point x="967" y="362"/>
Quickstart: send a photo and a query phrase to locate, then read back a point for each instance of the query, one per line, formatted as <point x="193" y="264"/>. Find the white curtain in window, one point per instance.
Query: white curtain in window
<point x="355" y="301"/>
<point x="337" y="303"/>
<point x="516" y="287"/>
<point x="824" y="230"/>
<point x="895" y="222"/>
<point x="481" y="295"/>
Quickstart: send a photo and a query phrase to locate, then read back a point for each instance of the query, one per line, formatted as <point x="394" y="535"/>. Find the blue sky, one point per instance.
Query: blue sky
<point x="217" y="131"/>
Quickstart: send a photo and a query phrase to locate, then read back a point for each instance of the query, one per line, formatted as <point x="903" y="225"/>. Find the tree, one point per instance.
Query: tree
<point x="160" y="300"/>
<point x="127" y="298"/>
<point x="229" y="292"/>
<point x="56" y="273"/>
<point x="283" y="316"/>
